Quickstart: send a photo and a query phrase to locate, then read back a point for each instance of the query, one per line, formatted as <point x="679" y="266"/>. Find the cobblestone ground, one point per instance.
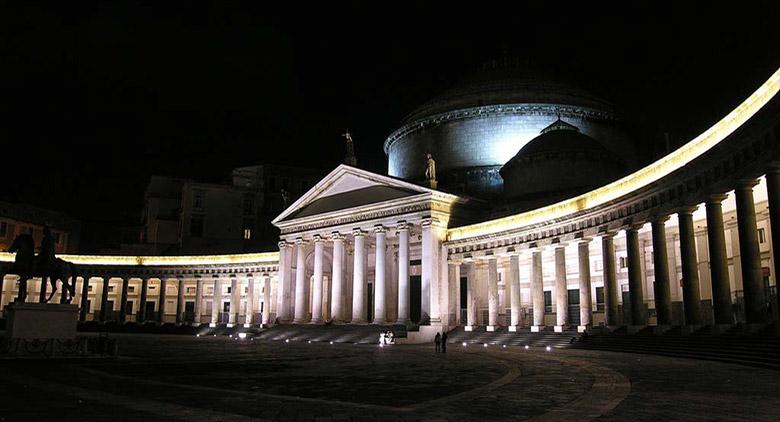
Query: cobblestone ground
<point x="169" y="378"/>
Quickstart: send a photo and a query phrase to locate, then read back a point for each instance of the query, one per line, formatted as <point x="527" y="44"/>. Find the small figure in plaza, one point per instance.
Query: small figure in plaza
<point x="437" y="341"/>
<point x="45" y="265"/>
<point x="430" y="171"/>
<point x="444" y="342"/>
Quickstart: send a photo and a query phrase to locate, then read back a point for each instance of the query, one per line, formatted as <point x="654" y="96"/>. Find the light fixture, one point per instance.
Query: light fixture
<point x="548" y="348"/>
<point x="464" y="344"/>
<point x="331" y="342"/>
<point x="526" y="347"/>
<point x="242" y="335"/>
<point x="309" y="341"/>
<point x="287" y="340"/>
<point x="484" y="345"/>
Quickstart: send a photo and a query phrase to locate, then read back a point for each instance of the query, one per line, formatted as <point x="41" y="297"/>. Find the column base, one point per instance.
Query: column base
<point x="380" y="322"/>
<point x="491" y="328"/>
<point x="513" y="328"/>
<point x="405" y="322"/>
<point x="230" y="325"/>
<point x="719" y="329"/>
<point x="633" y="329"/>
<point x="688" y="329"/>
<point x="537" y="328"/>
<point x="316" y="321"/>
<point x="468" y="328"/>
<point x="660" y="329"/>
<point x="247" y="325"/>
<point x="582" y="328"/>
<point x="212" y="324"/>
<point x="558" y="328"/>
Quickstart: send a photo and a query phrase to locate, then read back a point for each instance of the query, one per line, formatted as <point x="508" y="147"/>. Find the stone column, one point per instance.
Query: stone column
<point x="359" y="278"/>
<point x="250" y="303"/>
<point x="84" y="299"/>
<point x="198" y="311"/>
<point x="471" y="296"/>
<point x="661" y="286"/>
<point x="161" y="300"/>
<point x="610" y="279"/>
<point x="429" y="270"/>
<point x="492" y="293"/>
<point x="142" y="309"/>
<point x="690" y="268"/>
<point x="586" y="302"/>
<point x="514" y="292"/>
<point x="380" y="287"/>
<point x="284" y="294"/>
<point x="403" y="273"/>
<point x="453" y="293"/>
<point x="773" y="194"/>
<point x="235" y="302"/>
<point x="2" y="289"/>
<point x="319" y="258"/>
<point x="266" y="300"/>
<point x="104" y="299"/>
<point x="635" y="280"/>
<point x="123" y="301"/>
<point x="301" y="284"/>
<point x="180" y="301"/>
<point x="537" y="290"/>
<point x="561" y="290"/>
<point x="750" y="255"/>
<point x="216" y="302"/>
<point x="337" y="296"/>
<point x="719" y="266"/>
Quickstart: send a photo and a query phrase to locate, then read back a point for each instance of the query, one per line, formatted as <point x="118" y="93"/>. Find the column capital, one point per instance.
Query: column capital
<point x="428" y="222"/>
<point x="585" y="240"/>
<point x="380" y="229"/>
<point x="358" y="232"/>
<point x="402" y="225"/>
<point x="300" y="241"/>
<point x="607" y="234"/>
<point x="283" y="244"/>
<point x="318" y="238"/>
<point x="687" y="209"/>
<point x="659" y="218"/>
<point x="716" y="198"/>
<point x="746" y="183"/>
<point x="336" y="236"/>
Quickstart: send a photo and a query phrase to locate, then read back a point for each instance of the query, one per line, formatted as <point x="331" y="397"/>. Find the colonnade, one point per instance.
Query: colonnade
<point x="102" y="292"/>
<point x="295" y="305"/>
<point x="749" y="267"/>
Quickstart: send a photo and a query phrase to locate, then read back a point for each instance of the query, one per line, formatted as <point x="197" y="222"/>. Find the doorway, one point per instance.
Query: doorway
<point x="464" y="297"/>
<point x="574" y="306"/>
<point x="415" y="298"/>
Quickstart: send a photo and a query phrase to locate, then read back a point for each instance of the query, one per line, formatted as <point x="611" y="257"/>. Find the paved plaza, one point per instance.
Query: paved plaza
<point x="167" y="378"/>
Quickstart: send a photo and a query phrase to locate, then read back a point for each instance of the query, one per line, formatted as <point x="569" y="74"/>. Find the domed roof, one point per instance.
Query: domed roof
<point x="560" y="137"/>
<point x="508" y="82"/>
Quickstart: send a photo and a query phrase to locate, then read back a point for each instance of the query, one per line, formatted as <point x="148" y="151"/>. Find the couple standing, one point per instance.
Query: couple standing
<point x="441" y="342"/>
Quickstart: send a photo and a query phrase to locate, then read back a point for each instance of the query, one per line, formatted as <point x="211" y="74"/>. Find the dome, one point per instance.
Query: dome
<point x="559" y="162"/>
<point x="475" y="128"/>
<point x="507" y="82"/>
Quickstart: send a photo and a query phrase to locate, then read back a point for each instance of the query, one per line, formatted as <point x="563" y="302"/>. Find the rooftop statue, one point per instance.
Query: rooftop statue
<point x="45" y="265"/>
<point x="350" y="158"/>
<point x="430" y="171"/>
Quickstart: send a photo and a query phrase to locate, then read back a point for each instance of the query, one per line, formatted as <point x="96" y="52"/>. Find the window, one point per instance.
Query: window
<point x="197" y="200"/>
<point x="229" y="289"/>
<point x="131" y="289"/>
<point x="196" y="226"/>
<point x="599" y="298"/>
<point x="90" y="288"/>
<point x="761" y="235"/>
<point x="249" y="204"/>
<point x="110" y="289"/>
<point x="548" y="301"/>
<point x="3" y="229"/>
<point x="247" y="234"/>
<point x="190" y="290"/>
<point x="623" y="262"/>
<point x="246" y="290"/>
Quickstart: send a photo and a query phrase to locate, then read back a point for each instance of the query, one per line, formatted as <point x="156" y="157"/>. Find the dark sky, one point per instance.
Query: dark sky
<point x="97" y="97"/>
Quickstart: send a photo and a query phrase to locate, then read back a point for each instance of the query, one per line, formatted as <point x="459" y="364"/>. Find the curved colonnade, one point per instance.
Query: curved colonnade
<point x="691" y="239"/>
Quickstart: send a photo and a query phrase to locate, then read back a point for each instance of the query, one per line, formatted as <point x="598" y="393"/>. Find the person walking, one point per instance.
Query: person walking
<point x="444" y="343"/>
<point x="437" y="340"/>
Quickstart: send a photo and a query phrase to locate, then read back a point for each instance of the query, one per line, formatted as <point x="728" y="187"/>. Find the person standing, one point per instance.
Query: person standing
<point x="437" y="341"/>
<point x="444" y="343"/>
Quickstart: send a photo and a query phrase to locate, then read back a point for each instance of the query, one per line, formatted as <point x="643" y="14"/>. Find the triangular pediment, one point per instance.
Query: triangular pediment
<point x="349" y="187"/>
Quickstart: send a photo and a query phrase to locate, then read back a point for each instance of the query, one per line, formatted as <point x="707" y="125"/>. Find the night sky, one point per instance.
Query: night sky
<point x="97" y="97"/>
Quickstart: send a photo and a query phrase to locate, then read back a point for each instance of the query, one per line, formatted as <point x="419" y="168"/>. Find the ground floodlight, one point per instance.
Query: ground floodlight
<point x="484" y="345"/>
<point x="464" y="344"/>
<point x="287" y="340"/>
<point x="331" y="342"/>
<point x="241" y="335"/>
<point x="526" y="347"/>
<point x="548" y="348"/>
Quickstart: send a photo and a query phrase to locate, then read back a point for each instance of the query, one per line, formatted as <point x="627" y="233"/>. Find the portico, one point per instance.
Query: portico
<point x="377" y="240"/>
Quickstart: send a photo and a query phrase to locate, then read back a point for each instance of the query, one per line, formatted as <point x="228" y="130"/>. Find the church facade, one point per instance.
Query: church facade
<point x="691" y="239"/>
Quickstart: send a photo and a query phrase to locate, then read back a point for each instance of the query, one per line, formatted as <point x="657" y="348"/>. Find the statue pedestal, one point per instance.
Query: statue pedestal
<point x="41" y="320"/>
<point x="432" y="184"/>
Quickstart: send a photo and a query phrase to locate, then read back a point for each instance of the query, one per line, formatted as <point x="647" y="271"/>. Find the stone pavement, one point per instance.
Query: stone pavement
<point x="218" y="379"/>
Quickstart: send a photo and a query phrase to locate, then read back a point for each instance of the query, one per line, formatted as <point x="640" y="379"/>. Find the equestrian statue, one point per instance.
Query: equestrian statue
<point x="45" y="265"/>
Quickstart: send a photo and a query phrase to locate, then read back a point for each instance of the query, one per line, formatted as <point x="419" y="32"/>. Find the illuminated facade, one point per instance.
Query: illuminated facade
<point x="691" y="239"/>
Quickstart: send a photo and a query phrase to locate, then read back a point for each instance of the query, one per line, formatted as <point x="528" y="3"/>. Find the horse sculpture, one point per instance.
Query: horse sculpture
<point x="27" y="265"/>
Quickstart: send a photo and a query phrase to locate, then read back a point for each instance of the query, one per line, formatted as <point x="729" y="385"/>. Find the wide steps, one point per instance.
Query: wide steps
<point x="523" y="337"/>
<point x="364" y="334"/>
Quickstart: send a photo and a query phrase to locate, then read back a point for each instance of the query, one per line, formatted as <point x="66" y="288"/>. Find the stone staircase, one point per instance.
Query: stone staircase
<point x="736" y="345"/>
<point x="364" y="334"/>
<point x="523" y="337"/>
